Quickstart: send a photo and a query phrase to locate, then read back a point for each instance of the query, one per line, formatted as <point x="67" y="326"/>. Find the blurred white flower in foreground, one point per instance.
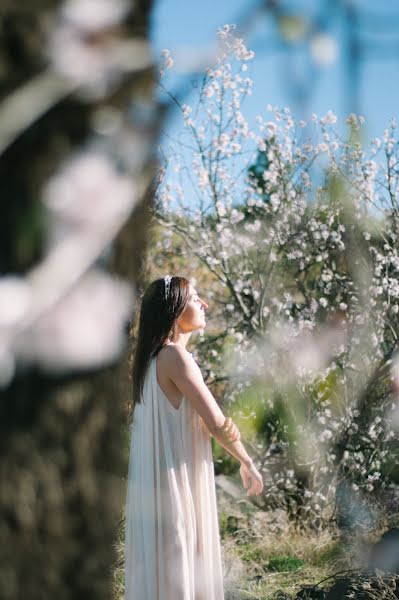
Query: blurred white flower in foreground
<point x="64" y="315"/>
<point x="94" y="15"/>
<point x="323" y="49"/>
<point x="86" y="194"/>
<point x="15" y="299"/>
<point x="85" y="330"/>
<point x="288" y="353"/>
<point x="86" y="47"/>
<point x="313" y="352"/>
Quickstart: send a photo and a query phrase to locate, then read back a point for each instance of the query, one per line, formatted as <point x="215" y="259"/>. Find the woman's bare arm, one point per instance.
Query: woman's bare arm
<point x="186" y="375"/>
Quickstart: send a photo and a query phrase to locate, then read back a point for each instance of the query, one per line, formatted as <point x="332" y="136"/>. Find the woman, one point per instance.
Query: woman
<point x="172" y="547"/>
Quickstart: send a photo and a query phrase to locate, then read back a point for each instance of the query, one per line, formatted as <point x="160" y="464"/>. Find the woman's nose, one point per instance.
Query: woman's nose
<point x="204" y="304"/>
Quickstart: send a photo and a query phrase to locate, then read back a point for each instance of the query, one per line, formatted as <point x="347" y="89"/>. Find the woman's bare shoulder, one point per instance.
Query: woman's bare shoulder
<point x="174" y="357"/>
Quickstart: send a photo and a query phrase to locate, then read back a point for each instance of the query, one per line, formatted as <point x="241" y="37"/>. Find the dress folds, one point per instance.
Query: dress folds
<point x="172" y="545"/>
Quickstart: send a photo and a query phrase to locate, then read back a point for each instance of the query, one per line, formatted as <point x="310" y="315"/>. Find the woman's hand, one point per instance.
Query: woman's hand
<point x="251" y="479"/>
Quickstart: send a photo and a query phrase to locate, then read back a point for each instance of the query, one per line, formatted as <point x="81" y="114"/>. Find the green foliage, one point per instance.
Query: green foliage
<point x="228" y="524"/>
<point x="250" y="407"/>
<point x="285" y="563"/>
<point x="252" y="553"/>
<point x="279" y="566"/>
<point x="224" y="463"/>
<point x="256" y="172"/>
<point x="263" y="413"/>
<point x="329" y="554"/>
<point x="29" y="232"/>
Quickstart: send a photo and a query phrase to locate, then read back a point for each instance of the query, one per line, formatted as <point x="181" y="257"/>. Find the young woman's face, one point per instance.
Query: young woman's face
<point x="193" y="315"/>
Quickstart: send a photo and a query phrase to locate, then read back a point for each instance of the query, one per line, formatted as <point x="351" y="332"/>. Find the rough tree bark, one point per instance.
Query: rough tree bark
<point x="62" y="460"/>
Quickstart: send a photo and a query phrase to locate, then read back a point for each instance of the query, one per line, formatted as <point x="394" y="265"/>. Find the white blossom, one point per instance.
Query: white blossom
<point x="15" y="299"/>
<point x="87" y="193"/>
<point x="85" y="330"/>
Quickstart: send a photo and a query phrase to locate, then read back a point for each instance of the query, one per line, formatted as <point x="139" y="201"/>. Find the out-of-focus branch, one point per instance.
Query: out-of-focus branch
<point x="24" y="106"/>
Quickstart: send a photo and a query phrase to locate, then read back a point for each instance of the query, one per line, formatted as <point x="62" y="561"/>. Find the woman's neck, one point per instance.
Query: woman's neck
<point x="180" y="339"/>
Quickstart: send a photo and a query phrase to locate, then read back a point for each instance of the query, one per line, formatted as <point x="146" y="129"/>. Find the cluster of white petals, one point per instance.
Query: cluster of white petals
<point x="87" y="193"/>
<point x="87" y="48"/>
<point x="92" y="16"/>
<point x="65" y="315"/>
<point x="86" y="329"/>
<point x="298" y="228"/>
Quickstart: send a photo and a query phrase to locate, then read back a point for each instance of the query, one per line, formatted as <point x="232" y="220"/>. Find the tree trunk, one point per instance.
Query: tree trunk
<point x="63" y="439"/>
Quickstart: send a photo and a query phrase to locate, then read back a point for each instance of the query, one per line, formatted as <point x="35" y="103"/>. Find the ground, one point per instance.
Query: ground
<point x="265" y="556"/>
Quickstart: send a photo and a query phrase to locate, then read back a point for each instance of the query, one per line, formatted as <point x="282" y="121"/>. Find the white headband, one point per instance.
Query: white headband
<point x="167" y="280"/>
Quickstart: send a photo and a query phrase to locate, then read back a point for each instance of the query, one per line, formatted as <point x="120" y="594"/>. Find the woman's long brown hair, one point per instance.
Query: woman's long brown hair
<point x="157" y="322"/>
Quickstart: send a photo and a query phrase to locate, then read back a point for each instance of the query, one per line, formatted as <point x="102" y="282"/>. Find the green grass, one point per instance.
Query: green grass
<point x="287" y="582"/>
<point x="271" y="564"/>
<point x="284" y="563"/>
<point x="228" y="525"/>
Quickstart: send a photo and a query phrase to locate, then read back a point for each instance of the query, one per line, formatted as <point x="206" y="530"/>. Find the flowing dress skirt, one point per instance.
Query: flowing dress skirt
<point x="172" y="545"/>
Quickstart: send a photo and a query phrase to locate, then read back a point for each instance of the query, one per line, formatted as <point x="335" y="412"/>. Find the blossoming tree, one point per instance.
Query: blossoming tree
<point x="296" y="227"/>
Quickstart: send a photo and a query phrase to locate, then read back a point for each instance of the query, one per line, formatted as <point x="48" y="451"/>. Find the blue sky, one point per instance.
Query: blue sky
<point x="183" y="25"/>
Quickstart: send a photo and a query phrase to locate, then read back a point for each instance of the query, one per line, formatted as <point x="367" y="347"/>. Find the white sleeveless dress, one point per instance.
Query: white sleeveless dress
<point x="172" y="545"/>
